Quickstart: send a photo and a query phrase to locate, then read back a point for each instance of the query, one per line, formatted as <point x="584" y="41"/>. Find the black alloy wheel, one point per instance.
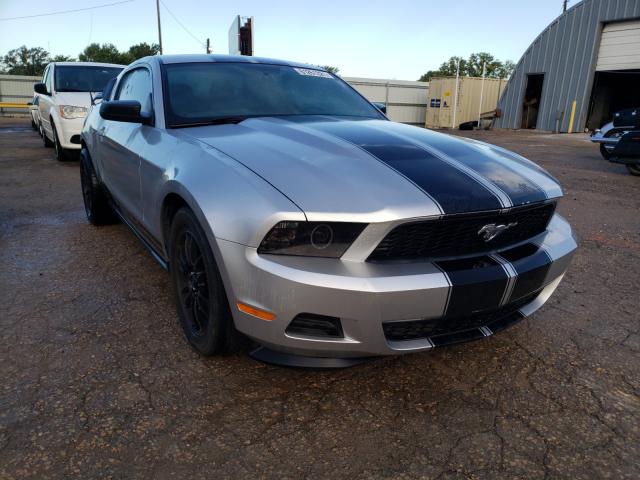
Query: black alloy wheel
<point x="200" y="296"/>
<point x="193" y="288"/>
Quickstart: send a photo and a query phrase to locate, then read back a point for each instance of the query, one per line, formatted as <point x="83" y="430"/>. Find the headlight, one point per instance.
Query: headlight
<point x="70" y="111"/>
<point x="311" y="239"/>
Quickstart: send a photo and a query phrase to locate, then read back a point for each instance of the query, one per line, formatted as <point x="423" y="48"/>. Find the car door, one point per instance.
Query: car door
<point x="122" y="143"/>
<point x="45" y="101"/>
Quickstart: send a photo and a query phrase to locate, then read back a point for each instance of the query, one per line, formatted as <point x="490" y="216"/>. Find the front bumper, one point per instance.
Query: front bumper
<point x="68" y="128"/>
<point x="369" y="298"/>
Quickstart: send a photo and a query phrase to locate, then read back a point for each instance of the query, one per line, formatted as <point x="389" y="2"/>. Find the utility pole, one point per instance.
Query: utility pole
<point x="159" y="29"/>
<point x="455" y="98"/>
<point x="484" y="71"/>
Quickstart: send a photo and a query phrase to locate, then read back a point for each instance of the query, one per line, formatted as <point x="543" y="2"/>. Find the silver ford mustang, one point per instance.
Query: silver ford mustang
<point x="288" y="208"/>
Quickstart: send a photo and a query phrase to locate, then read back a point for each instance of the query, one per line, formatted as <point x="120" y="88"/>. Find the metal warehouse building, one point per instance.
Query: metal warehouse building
<point x="583" y="67"/>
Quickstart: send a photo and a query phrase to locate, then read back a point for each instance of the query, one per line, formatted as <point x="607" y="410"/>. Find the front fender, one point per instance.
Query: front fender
<point x="230" y="201"/>
<point x="208" y="208"/>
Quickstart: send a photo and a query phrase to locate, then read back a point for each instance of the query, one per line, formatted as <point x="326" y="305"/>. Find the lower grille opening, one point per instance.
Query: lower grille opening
<point x="312" y="325"/>
<point x="432" y="328"/>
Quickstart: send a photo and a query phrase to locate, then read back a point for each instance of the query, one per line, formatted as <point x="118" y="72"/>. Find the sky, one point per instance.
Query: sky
<point x="396" y="39"/>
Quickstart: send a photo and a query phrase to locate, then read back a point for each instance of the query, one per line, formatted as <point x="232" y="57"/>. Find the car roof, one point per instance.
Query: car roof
<point x="206" y="58"/>
<point x="87" y="64"/>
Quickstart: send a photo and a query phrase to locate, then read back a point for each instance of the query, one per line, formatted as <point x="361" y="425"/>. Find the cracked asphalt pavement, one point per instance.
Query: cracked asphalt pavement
<point x="97" y="380"/>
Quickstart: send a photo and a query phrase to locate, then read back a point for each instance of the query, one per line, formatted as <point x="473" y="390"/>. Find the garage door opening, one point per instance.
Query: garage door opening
<point x="612" y="91"/>
<point x="531" y="100"/>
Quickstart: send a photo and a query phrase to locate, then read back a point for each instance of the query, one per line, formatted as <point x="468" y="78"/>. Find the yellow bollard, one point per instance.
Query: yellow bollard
<point x="573" y="113"/>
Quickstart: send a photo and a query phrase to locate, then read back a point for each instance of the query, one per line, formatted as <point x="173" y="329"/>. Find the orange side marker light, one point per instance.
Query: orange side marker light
<point x="256" y="312"/>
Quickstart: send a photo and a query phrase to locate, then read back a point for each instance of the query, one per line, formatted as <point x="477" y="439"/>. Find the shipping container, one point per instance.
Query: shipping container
<point x="475" y="96"/>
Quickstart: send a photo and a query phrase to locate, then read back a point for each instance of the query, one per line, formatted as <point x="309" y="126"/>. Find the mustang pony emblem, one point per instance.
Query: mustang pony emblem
<point x="491" y="230"/>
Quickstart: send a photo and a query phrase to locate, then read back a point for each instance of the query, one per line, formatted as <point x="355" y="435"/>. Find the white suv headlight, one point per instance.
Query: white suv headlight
<point x="70" y="111"/>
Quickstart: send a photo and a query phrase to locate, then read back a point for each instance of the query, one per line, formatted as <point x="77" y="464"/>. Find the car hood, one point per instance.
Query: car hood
<point x="376" y="170"/>
<point x="77" y="99"/>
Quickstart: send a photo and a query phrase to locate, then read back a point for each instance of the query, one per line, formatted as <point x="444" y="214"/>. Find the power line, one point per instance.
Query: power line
<point x="67" y="11"/>
<point x="183" y="27"/>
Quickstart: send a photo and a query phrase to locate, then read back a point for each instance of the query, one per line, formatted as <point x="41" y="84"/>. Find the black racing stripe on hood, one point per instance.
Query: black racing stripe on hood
<point x="455" y="191"/>
<point x="519" y="188"/>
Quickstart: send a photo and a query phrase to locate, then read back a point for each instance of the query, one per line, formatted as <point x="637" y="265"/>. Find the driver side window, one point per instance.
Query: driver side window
<point x="136" y="85"/>
<point x="47" y="78"/>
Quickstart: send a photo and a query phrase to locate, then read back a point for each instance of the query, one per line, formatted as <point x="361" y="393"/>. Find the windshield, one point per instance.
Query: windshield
<point x="198" y="93"/>
<point x="83" y="78"/>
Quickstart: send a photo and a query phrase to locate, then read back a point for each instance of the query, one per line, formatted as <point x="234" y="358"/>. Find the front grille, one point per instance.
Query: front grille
<point x="458" y="234"/>
<point x="416" y="329"/>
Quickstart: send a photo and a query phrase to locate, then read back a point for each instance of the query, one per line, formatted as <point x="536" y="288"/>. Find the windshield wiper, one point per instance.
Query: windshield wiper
<point x="214" y="121"/>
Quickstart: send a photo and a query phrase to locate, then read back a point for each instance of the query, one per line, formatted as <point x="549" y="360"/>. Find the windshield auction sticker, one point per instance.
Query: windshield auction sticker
<point x="312" y="73"/>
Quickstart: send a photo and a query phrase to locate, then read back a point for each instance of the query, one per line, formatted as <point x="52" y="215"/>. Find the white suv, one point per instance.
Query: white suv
<point x="64" y="97"/>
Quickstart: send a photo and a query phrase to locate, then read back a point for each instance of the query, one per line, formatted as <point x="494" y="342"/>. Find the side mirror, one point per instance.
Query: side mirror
<point x="124" y="111"/>
<point x="40" y="88"/>
<point x="380" y="106"/>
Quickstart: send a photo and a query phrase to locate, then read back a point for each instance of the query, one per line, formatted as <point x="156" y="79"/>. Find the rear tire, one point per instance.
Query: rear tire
<point x="96" y="202"/>
<point x="634" y="169"/>
<point x="198" y="290"/>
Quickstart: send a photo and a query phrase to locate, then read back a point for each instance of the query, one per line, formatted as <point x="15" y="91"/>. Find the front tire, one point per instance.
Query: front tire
<point x="199" y="293"/>
<point x="604" y="152"/>
<point x="62" y="154"/>
<point x="45" y="140"/>
<point x="96" y="202"/>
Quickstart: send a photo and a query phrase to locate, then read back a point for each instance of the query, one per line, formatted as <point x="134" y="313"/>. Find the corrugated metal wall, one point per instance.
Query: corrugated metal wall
<point x="566" y="52"/>
<point x="406" y="101"/>
<point x="16" y="89"/>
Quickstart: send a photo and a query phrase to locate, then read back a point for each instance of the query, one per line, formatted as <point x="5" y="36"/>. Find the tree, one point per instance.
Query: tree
<point x="472" y="67"/>
<point x="32" y="61"/>
<point x="26" y="61"/>
<point x="142" y="50"/>
<point x="425" y="77"/>
<point x="63" y="58"/>
<point x="107" y="53"/>
<point x="506" y="69"/>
